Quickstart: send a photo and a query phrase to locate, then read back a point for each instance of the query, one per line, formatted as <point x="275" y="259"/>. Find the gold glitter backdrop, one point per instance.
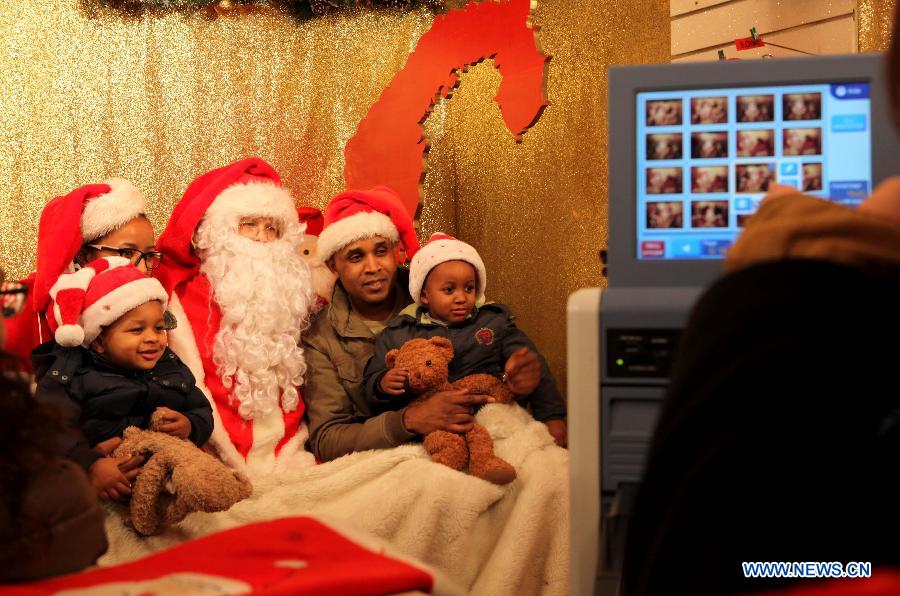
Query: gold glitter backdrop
<point x="87" y="93"/>
<point x="874" y="21"/>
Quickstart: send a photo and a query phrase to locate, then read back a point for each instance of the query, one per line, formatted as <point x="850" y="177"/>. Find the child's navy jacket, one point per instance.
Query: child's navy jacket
<point x="101" y="399"/>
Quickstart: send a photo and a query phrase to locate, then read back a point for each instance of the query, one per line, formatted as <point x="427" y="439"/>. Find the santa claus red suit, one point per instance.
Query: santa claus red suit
<point x="67" y="222"/>
<point x="240" y="305"/>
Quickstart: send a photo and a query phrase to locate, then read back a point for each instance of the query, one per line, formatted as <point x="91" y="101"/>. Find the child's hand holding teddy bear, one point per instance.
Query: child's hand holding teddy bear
<point x="172" y="423"/>
<point x="394" y="381"/>
<point x="112" y="477"/>
<point x="522" y="375"/>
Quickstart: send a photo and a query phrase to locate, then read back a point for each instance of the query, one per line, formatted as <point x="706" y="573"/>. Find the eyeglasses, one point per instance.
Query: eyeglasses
<point x="252" y="227"/>
<point x="151" y="259"/>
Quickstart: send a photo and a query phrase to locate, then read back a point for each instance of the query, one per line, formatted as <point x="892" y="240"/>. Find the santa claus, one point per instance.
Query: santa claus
<point x="241" y="295"/>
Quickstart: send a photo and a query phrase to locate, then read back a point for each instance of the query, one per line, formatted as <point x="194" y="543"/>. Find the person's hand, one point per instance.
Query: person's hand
<point x="394" y="381"/>
<point x="451" y="411"/>
<point x="112" y="477"/>
<point x="523" y="372"/>
<point x="108" y="446"/>
<point x="559" y="430"/>
<point x="884" y="200"/>
<point x="780" y="190"/>
<point x="174" y="423"/>
<point x="131" y="466"/>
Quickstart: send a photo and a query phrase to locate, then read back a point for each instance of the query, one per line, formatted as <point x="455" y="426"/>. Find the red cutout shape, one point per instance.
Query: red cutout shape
<point x="388" y="147"/>
<point x="747" y="43"/>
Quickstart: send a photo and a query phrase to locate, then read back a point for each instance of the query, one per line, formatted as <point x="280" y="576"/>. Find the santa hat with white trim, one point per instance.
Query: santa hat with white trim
<point x="247" y="188"/>
<point x="357" y="214"/>
<point x="313" y="219"/>
<point x="96" y="296"/>
<point x="68" y="222"/>
<point x="441" y="248"/>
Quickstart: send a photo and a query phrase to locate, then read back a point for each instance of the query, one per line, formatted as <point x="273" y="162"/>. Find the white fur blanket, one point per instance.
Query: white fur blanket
<point x="489" y="539"/>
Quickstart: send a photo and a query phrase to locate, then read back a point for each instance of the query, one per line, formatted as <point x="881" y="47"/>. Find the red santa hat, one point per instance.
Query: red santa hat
<point x="68" y="222"/>
<point x="249" y="187"/>
<point x="313" y="219"/>
<point x="96" y="296"/>
<point x="357" y="214"/>
<point x="441" y="248"/>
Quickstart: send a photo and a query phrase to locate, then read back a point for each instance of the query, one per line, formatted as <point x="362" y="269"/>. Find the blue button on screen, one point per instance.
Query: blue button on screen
<point x="789" y="169"/>
<point x="849" y="191"/>
<point x="848" y="123"/>
<point x="714" y="248"/>
<point x="850" y="91"/>
<point x="685" y="248"/>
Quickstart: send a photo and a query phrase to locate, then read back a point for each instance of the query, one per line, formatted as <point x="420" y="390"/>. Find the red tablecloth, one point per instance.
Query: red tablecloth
<point x="295" y="555"/>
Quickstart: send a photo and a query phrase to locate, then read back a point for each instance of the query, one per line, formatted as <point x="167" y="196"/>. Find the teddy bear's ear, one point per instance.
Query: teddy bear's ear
<point x="391" y="358"/>
<point x="443" y="343"/>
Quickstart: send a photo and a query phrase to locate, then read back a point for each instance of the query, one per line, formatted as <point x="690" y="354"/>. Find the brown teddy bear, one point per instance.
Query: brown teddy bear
<point x="177" y="479"/>
<point x="428" y="363"/>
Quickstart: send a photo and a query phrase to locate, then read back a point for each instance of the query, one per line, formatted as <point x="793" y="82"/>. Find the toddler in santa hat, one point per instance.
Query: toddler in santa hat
<point x="109" y="368"/>
<point x="447" y="279"/>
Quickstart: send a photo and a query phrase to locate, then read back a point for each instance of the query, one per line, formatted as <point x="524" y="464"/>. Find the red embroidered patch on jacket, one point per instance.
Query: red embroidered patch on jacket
<point x="484" y="336"/>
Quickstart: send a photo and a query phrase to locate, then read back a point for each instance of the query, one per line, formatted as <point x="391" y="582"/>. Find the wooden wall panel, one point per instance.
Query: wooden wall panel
<point x="700" y="27"/>
<point x="832" y="36"/>
<point x="680" y="7"/>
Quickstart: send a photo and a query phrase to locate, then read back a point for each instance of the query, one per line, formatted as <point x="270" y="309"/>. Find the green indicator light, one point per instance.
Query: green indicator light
<point x="619" y="361"/>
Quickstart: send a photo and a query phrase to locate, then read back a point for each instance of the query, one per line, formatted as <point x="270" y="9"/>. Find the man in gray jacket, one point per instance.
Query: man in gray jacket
<point x="364" y="233"/>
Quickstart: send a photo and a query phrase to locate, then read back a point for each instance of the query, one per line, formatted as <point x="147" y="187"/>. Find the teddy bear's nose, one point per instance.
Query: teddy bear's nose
<point x="428" y="363"/>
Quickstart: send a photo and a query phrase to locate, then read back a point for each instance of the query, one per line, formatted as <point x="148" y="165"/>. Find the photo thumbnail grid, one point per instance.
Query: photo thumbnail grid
<point x="729" y="147"/>
<point x="705" y="158"/>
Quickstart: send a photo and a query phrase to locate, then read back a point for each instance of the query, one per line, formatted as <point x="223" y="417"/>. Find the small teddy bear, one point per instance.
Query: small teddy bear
<point x="177" y="479"/>
<point x="428" y="363"/>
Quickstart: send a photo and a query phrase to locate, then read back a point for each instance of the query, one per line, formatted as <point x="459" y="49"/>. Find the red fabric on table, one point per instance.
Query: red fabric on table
<point x="294" y="555"/>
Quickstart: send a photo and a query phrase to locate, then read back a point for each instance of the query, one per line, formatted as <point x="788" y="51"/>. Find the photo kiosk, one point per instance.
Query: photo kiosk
<point x="692" y="150"/>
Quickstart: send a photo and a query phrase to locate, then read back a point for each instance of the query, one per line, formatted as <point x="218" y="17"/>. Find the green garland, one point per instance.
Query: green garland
<point x="302" y="9"/>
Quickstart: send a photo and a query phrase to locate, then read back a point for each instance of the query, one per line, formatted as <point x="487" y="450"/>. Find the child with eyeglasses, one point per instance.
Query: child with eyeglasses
<point x="92" y="221"/>
<point x="146" y="261"/>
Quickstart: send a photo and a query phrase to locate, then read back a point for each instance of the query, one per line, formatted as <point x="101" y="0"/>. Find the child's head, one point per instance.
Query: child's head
<point x="112" y="308"/>
<point x="135" y="340"/>
<point x="132" y="240"/>
<point x="448" y="277"/>
<point x="449" y="291"/>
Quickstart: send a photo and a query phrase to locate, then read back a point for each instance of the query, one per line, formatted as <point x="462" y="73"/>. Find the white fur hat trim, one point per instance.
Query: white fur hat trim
<point x="441" y="248"/>
<point x="108" y="212"/>
<point x="259" y="199"/>
<point x="352" y="228"/>
<point x="116" y="303"/>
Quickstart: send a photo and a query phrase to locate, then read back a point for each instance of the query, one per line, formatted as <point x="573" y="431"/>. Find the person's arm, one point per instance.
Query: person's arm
<point x="546" y="401"/>
<point x="199" y="413"/>
<point x="789" y="225"/>
<point x="335" y="428"/>
<point x="70" y="443"/>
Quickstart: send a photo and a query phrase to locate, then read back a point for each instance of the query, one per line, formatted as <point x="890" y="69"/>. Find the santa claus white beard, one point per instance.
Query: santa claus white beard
<point x="264" y="292"/>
